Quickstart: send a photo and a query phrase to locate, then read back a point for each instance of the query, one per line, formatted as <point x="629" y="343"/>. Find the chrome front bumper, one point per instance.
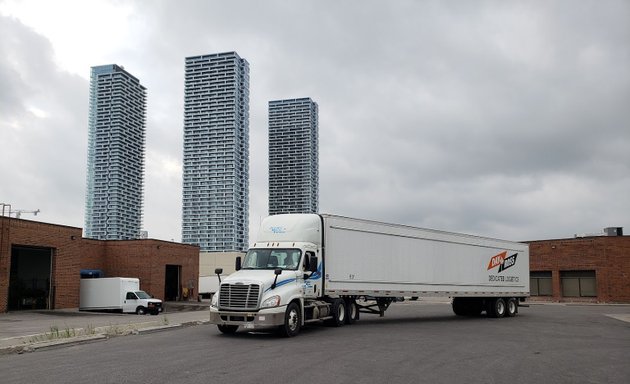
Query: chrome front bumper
<point x="265" y="318"/>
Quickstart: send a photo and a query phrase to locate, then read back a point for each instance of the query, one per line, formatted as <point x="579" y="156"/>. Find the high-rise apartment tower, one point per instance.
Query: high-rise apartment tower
<point x="116" y="145"/>
<point x="216" y="153"/>
<point x="293" y="156"/>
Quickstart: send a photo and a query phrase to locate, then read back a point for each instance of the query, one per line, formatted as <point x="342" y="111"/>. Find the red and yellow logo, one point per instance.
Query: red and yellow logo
<point x="502" y="260"/>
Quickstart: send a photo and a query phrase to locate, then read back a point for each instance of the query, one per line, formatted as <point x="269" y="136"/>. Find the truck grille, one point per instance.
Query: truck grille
<point x="239" y="296"/>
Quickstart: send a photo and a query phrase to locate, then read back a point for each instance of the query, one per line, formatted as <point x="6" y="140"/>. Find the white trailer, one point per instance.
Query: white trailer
<point x="121" y="294"/>
<point x="309" y="267"/>
<point x="208" y="285"/>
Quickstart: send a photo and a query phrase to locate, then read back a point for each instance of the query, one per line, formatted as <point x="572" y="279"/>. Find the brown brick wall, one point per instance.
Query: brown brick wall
<point x="145" y="259"/>
<point x="608" y="256"/>
<point x="5" y="263"/>
<point x="66" y="245"/>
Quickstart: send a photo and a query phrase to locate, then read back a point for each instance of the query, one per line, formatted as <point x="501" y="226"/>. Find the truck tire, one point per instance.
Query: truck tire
<point x="496" y="308"/>
<point x="292" y="321"/>
<point x="227" y="329"/>
<point x="512" y="307"/>
<point x="338" y="309"/>
<point x="467" y="306"/>
<point x="141" y="311"/>
<point x="352" y="311"/>
<point x="458" y="307"/>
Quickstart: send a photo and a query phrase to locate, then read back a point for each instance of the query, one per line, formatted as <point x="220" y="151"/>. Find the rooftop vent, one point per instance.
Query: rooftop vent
<point x="613" y="231"/>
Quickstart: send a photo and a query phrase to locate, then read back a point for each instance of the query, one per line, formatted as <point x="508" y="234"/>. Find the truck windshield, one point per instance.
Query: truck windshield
<point x="272" y="258"/>
<point x="142" y="295"/>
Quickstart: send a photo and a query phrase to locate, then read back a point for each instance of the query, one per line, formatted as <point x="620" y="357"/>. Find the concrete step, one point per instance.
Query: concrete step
<point x="181" y="306"/>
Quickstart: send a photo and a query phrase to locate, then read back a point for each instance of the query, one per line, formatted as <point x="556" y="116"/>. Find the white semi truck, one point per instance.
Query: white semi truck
<point x="121" y="294"/>
<point x="307" y="267"/>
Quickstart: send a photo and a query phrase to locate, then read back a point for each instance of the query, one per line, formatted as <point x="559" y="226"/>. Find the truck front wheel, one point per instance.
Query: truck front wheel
<point x="292" y="321"/>
<point x="141" y="311"/>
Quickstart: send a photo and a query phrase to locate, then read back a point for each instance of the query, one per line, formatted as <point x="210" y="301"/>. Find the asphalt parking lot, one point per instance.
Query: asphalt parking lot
<point x="415" y="342"/>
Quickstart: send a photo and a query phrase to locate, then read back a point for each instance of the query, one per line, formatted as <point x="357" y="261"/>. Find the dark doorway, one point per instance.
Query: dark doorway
<point x="172" y="282"/>
<point x="30" y="278"/>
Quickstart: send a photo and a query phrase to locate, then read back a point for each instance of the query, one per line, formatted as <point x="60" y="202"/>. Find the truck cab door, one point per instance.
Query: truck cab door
<point x="312" y="280"/>
<point x="130" y="303"/>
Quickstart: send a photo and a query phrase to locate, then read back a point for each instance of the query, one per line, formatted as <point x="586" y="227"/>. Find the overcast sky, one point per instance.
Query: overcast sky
<point x="505" y="119"/>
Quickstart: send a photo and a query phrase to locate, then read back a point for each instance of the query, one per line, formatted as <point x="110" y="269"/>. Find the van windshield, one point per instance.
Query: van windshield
<point x="142" y="295"/>
<point x="288" y="259"/>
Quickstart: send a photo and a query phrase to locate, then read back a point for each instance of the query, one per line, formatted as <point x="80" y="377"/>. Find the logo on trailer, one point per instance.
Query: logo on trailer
<point x="502" y="260"/>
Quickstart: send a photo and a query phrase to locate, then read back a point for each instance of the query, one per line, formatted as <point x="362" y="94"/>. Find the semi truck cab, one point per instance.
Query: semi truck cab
<point x="268" y="280"/>
<point x="274" y="279"/>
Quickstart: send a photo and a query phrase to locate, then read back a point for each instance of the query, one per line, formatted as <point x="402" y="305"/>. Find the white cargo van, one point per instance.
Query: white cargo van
<point x="120" y="294"/>
<point x="308" y="267"/>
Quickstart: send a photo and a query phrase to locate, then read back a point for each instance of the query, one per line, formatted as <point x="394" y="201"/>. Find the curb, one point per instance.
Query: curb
<point x="100" y="333"/>
<point x="32" y="347"/>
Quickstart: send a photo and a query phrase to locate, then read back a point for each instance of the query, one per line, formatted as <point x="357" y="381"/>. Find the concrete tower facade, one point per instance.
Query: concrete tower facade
<point x="293" y="156"/>
<point x="116" y="146"/>
<point x="216" y="153"/>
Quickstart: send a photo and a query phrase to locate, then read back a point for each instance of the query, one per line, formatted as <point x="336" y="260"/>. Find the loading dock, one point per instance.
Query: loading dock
<point x="172" y="279"/>
<point x="41" y="264"/>
<point x="30" y="284"/>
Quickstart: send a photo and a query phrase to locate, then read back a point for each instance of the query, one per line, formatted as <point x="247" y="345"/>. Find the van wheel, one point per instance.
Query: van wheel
<point x="338" y="308"/>
<point x="352" y="311"/>
<point x="512" y="307"/>
<point x="141" y="311"/>
<point x="292" y="321"/>
<point x="227" y="329"/>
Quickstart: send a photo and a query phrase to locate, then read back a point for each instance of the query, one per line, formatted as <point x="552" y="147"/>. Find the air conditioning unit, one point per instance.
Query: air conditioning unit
<point x="613" y="231"/>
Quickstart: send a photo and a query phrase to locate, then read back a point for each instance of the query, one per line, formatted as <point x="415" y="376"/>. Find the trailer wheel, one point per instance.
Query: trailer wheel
<point x="227" y="329"/>
<point x="292" y="321"/>
<point x="512" y="307"/>
<point x="463" y="306"/>
<point x="352" y="311"/>
<point x="338" y="308"/>
<point x="141" y="311"/>
<point x="496" y="308"/>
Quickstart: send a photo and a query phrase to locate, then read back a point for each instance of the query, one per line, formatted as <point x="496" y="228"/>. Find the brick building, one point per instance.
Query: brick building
<point x="41" y="264"/>
<point x="581" y="269"/>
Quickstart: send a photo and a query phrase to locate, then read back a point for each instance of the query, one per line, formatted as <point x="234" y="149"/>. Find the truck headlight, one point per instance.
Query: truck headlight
<point x="214" y="302"/>
<point x="273" y="301"/>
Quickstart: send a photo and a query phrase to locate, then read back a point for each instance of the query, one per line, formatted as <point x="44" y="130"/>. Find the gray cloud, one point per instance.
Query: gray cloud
<point x="44" y="112"/>
<point x="492" y="118"/>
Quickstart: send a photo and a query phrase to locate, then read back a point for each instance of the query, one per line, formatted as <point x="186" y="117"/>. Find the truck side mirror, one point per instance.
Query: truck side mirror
<point x="312" y="263"/>
<point x="218" y="272"/>
<point x="237" y="265"/>
<point x="277" y="271"/>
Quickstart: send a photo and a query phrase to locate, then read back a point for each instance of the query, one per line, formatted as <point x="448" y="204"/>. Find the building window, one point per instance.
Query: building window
<point x="578" y="283"/>
<point x="540" y="283"/>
